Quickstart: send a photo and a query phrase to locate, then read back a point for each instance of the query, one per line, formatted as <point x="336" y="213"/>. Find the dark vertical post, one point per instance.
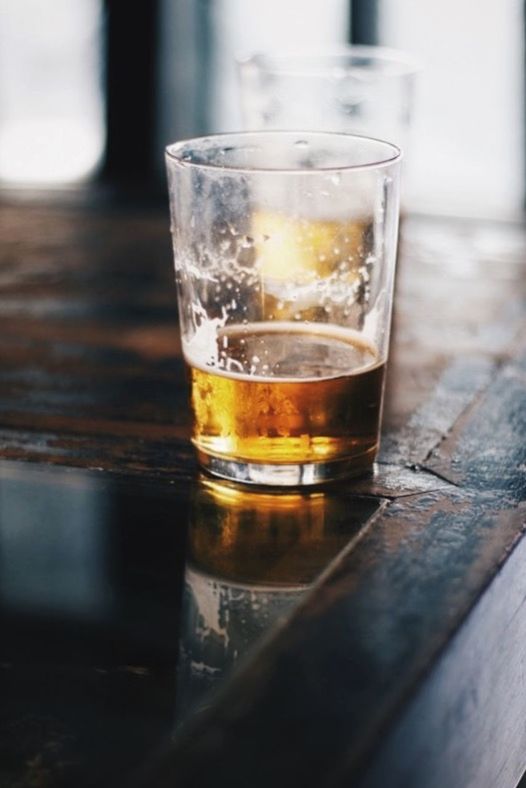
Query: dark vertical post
<point x="204" y="46"/>
<point x="364" y="21"/>
<point x="130" y="76"/>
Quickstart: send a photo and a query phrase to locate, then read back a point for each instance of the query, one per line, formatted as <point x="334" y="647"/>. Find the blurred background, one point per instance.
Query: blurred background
<point x="92" y="90"/>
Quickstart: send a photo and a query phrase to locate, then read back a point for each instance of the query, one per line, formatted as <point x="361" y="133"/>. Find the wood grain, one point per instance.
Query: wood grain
<point x="393" y="671"/>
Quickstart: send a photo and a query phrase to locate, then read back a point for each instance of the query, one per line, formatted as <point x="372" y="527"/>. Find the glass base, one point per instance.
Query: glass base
<point x="286" y="475"/>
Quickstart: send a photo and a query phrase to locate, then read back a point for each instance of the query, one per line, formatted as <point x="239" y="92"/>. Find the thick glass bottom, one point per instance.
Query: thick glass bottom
<point x="286" y="474"/>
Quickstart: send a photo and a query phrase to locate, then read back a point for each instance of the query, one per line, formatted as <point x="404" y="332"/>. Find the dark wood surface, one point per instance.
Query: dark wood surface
<point x="403" y="665"/>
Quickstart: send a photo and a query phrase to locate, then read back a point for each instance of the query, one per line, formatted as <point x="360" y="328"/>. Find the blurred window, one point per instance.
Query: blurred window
<point x="51" y="105"/>
<point x="201" y="38"/>
<point x="468" y="137"/>
<point x="466" y="153"/>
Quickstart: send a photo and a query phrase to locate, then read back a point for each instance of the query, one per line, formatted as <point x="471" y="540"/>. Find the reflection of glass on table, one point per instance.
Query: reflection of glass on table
<point x="251" y="557"/>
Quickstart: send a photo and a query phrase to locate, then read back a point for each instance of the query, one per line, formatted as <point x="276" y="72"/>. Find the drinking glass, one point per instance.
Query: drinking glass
<point x="284" y="246"/>
<point x="357" y="89"/>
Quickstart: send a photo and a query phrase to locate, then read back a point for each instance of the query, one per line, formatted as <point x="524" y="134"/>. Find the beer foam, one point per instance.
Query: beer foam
<point x="279" y="351"/>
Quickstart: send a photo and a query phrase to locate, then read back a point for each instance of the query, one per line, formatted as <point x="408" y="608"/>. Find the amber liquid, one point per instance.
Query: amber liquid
<point x="266" y="538"/>
<point x="289" y="393"/>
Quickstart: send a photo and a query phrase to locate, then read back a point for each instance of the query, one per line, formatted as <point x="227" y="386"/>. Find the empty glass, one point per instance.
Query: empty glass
<point x="356" y="89"/>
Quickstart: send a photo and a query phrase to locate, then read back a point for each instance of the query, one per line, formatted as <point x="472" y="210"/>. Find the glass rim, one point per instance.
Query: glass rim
<point x="173" y="152"/>
<point x="282" y="61"/>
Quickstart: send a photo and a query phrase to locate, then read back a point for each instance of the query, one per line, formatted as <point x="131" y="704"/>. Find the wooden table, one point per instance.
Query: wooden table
<point x="396" y="648"/>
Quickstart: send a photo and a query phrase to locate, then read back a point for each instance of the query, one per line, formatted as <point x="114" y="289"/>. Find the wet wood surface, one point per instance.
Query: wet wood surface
<point x="404" y="664"/>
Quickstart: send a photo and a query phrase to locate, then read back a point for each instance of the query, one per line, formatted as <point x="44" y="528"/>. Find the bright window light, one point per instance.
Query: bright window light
<point x="468" y="139"/>
<point x="244" y="27"/>
<point x="51" y="106"/>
